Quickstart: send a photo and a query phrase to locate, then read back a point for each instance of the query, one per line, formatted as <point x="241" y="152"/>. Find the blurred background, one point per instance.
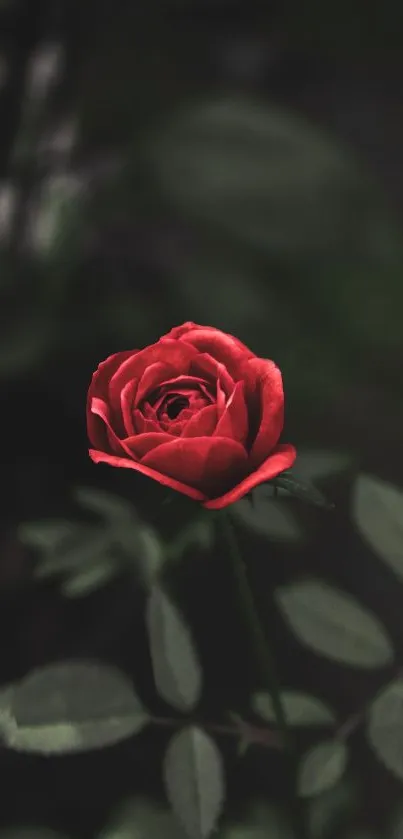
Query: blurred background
<point x="236" y="164"/>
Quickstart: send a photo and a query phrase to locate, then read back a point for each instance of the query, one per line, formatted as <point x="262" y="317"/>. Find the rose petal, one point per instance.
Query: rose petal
<point x="127" y="404"/>
<point x="205" y="463"/>
<point x="176" y="354"/>
<point x="152" y="378"/>
<point x="99" y="387"/>
<point x="214" y="371"/>
<point x="96" y="429"/>
<point x="126" y="463"/>
<point x="100" y="414"/>
<point x="143" y="425"/>
<point x="194" y="401"/>
<point x="225" y="348"/>
<point x="140" y="444"/>
<point x="100" y="409"/>
<point x="104" y="372"/>
<point x="114" y="443"/>
<point x="176" y="426"/>
<point x="220" y="399"/>
<point x="211" y="469"/>
<point x="282" y="458"/>
<point x="234" y="420"/>
<point x="184" y="382"/>
<point x="182" y="386"/>
<point x="268" y="389"/>
<point x="179" y="331"/>
<point x="201" y="424"/>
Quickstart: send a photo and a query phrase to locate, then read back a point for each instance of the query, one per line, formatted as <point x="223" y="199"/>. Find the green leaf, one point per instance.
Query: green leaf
<point x="142" y="818"/>
<point x="396" y="825"/>
<point x="91" y="555"/>
<point x="194" y="781"/>
<point x="377" y="509"/>
<point x="299" y="708"/>
<point x="86" y="550"/>
<point x="199" y="533"/>
<point x="66" y="545"/>
<point x="269" y="518"/>
<point x="72" y="707"/>
<point x="321" y="767"/>
<point x="306" y="492"/>
<point x="176" y="668"/>
<point x="333" y="809"/>
<point x="315" y="464"/>
<point x="245" y="169"/>
<point x="137" y="544"/>
<point x="385" y="727"/>
<point x="6" y="716"/>
<point x="105" y="504"/>
<point x="90" y="579"/>
<point x="263" y="821"/>
<point x="46" y="535"/>
<point x="151" y="556"/>
<point x="333" y="624"/>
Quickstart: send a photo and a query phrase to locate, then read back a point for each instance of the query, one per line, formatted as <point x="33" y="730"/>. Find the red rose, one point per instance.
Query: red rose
<point x="197" y="411"/>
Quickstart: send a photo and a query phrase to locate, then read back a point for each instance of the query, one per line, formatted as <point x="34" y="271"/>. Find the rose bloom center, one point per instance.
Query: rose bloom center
<point x="173" y="408"/>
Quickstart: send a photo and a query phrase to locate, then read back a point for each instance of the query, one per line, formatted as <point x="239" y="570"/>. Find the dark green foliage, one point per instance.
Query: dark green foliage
<point x="224" y="163"/>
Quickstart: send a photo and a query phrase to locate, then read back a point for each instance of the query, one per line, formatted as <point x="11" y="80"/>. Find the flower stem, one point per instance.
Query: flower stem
<point x="264" y="737"/>
<point x="265" y="663"/>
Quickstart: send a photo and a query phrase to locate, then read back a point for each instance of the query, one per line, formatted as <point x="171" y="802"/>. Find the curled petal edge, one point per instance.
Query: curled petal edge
<point x="126" y="463"/>
<point x="282" y="458"/>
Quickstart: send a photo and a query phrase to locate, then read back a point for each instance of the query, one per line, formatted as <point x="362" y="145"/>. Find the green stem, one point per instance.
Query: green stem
<point x="264" y="661"/>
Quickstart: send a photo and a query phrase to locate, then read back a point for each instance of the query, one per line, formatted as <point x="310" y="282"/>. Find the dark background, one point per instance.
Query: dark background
<point x="237" y="164"/>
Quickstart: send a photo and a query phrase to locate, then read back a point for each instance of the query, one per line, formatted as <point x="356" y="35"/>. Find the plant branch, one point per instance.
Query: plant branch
<point x="350" y="725"/>
<point x="265" y="663"/>
<point x="250" y="734"/>
<point x="263" y="655"/>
